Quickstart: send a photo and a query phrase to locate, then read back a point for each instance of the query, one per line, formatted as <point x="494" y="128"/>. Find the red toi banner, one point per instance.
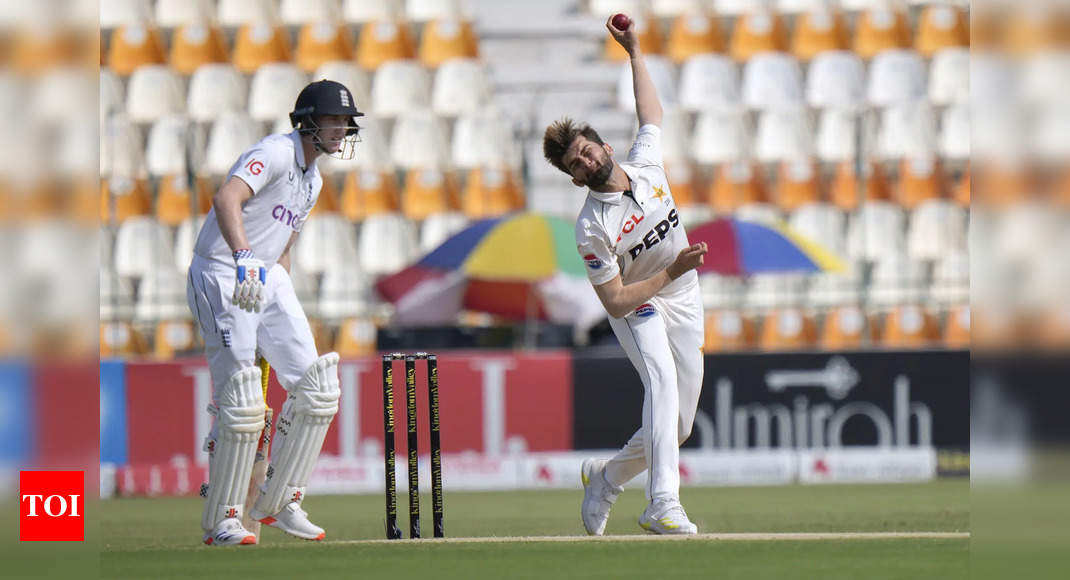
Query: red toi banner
<point x="51" y="506"/>
<point x="489" y="402"/>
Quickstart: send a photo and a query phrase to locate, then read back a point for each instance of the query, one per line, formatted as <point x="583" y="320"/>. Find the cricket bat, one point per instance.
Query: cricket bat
<point x="263" y="449"/>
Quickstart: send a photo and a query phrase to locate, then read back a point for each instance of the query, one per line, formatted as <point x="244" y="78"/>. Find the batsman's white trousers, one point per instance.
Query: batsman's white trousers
<point x="663" y="339"/>
<point x="232" y="335"/>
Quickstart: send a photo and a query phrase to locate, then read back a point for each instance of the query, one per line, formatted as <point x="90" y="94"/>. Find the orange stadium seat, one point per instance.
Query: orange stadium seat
<point x="321" y="43"/>
<point x="681" y="183"/>
<point x="174" y="203"/>
<point x="844" y="189"/>
<point x="909" y="327"/>
<point x="819" y="31"/>
<point x="120" y="339"/>
<point x="961" y="194"/>
<point x="728" y="330"/>
<point x="693" y="34"/>
<point x="735" y="184"/>
<point x="1005" y="186"/>
<point x="384" y="41"/>
<point x="797" y="184"/>
<point x="650" y="38"/>
<point x="356" y="337"/>
<point x="259" y="43"/>
<point x="880" y="29"/>
<point x="445" y="39"/>
<point x="368" y="193"/>
<point x="1029" y="31"/>
<point x="134" y="45"/>
<point x="428" y="192"/>
<point x="846" y="327"/>
<point x="130" y="198"/>
<point x="788" y="329"/>
<point x="490" y="192"/>
<point x="35" y="51"/>
<point x="759" y="31"/>
<point x="194" y="45"/>
<point x="173" y="337"/>
<point x="328" y="201"/>
<point x="957" y="328"/>
<point x="941" y="26"/>
<point x="920" y="179"/>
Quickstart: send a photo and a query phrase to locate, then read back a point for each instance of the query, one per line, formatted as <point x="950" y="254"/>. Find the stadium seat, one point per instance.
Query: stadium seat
<point x="364" y="11"/>
<point x="438" y="227"/>
<point x="34" y="50"/>
<point x="490" y="192"/>
<point x="833" y="290"/>
<point x="907" y="130"/>
<point x="142" y="245"/>
<point x="300" y="12"/>
<point x="896" y="77"/>
<point x="169" y="144"/>
<point x="228" y="138"/>
<point x="259" y="43"/>
<point x="387" y="244"/>
<point x="356" y="338"/>
<point x="185" y="240"/>
<point x="920" y="179"/>
<point x="876" y="230"/>
<point x="116" y="13"/>
<point x="937" y="228"/>
<point x="957" y="328"/>
<point x="797" y="184"/>
<point x="274" y="89"/>
<point x="383" y="41"/>
<point x="721" y="136"/>
<point x="372" y="153"/>
<point x="328" y="201"/>
<point x="709" y="81"/>
<point x="236" y="13"/>
<point x="735" y="184"/>
<point x="120" y="148"/>
<point x="673" y="8"/>
<point x="955" y="133"/>
<point x="172" y="14"/>
<point x="172" y="338"/>
<point x="949" y="77"/>
<point x="662" y="74"/>
<point x="326" y="241"/>
<point x="195" y="45"/>
<point x="428" y="191"/>
<point x="400" y="86"/>
<point x="836" y="137"/>
<point x="353" y="77"/>
<point x="446" y="39"/>
<point x="880" y="29"/>
<point x="844" y="191"/>
<point x="788" y="329"/>
<point x="675" y="136"/>
<point x="846" y="328"/>
<point x="721" y="292"/>
<point x="111" y="93"/>
<point x="215" y="90"/>
<point x="682" y="185"/>
<point x="961" y="193"/>
<point x="728" y="330"/>
<point x="648" y="30"/>
<point x="693" y="34"/>
<point x="1034" y="29"/>
<point x="123" y="198"/>
<point x="322" y="42"/>
<point x="772" y="80"/>
<point x="460" y="87"/>
<point x="799" y="6"/>
<point x="759" y="212"/>
<point x="153" y="92"/>
<point x="836" y="79"/>
<point x="756" y="32"/>
<point x="897" y="280"/>
<point x="783" y="135"/>
<point x="116" y="294"/>
<point x="120" y="339"/>
<point x="419" y="141"/>
<point x="819" y="31"/>
<point x="343" y="293"/>
<point x="369" y="192"/>
<point x="775" y="291"/>
<point x="134" y="45"/>
<point x="909" y="327"/>
<point x="176" y="202"/>
<point x="428" y="10"/>
<point x="823" y="223"/>
<point x="941" y="26"/>
<point x="162" y="293"/>
<point x="480" y="139"/>
<point x="951" y="278"/>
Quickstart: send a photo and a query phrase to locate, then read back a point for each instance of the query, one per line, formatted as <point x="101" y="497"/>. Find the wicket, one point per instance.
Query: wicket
<point x="393" y="532"/>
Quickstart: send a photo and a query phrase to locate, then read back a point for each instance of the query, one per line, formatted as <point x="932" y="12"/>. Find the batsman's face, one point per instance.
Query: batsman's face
<point x="332" y="131"/>
<point x="588" y="162"/>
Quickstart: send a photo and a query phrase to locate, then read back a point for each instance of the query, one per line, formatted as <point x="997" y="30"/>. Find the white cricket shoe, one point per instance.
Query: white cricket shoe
<point x="293" y="520"/>
<point x="666" y="517"/>
<point x="229" y="532"/>
<point x="598" y="496"/>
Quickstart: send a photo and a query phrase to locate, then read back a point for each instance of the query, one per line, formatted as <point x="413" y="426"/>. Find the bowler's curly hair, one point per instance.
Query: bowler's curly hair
<point x="560" y="135"/>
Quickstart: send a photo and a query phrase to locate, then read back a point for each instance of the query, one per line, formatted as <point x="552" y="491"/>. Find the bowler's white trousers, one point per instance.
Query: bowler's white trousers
<point x="663" y="339"/>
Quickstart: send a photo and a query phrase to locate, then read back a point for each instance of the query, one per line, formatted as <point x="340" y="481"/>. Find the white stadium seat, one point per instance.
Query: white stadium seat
<point x="897" y="280"/>
<point x="460" y="87"/>
<point x="51" y="100"/>
<point x="428" y="10"/>
<point x="937" y="228"/>
<point x="670" y="8"/>
<point x="875" y="230"/>
<point x="949" y="76"/>
<point x="153" y="91"/>
<point x="344" y="292"/>
<point x="721" y="291"/>
<point x="185" y="240"/>
<point x="116" y="296"/>
<point x="1044" y="78"/>
<point x="419" y="141"/>
<point x="215" y="89"/>
<point x="326" y="241"/>
<point x="142" y="245"/>
<point x="298" y="12"/>
<point x="372" y="152"/>
<point x="166" y="151"/>
<point x="830" y="290"/>
<point x="955" y="132"/>
<point x="836" y="79"/>
<point x="907" y="129"/>
<point x="990" y="75"/>
<point x="662" y="74"/>
<point x="771" y="291"/>
<point x="772" y="80"/>
<point x="115" y="13"/>
<point x="783" y="135"/>
<point x="121" y="151"/>
<point x="605" y="8"/>
<point x="162" y="295"/>
<point x="234" y="13"/>
<point x="675" y="136"/>
<point x="364" y="11"/>
<point x="229" y="137"/>
<point x="823" y="223"/>
<point x="482" y="139"/>
<point x="176" y="13"/>
<point x="399" y="86"/>
<point x="111" y="93"/>
<point x="896" y="76"/>
<point x="951" y="279"/>
<point x="709" y="81"/>
<point x="438" y="227"/>
<point x="274" y="90"/>
<point x="758" y="212"/>
<point x="353" y="77"/>
<point x="387" y="244"/>
<point x="721" y="136"/>
<point x="835" y="140"/>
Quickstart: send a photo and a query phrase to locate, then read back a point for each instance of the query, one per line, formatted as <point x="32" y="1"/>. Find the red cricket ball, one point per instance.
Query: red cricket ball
<point x="621" y="21"/>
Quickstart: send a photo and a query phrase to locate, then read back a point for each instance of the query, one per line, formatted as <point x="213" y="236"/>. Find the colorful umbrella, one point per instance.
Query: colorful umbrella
<point x="739" y="247"/>
<point x="520" y="266"/>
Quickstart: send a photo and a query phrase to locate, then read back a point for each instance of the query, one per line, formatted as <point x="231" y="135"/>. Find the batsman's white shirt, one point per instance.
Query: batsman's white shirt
<point x="285" y="188"/>
<point x="637" y="234"/>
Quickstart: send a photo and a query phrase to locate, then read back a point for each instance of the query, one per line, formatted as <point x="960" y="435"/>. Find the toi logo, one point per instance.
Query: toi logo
<point x="51" y="506"/>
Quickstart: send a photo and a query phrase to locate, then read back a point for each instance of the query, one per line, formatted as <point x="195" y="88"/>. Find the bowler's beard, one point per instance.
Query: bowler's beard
<point x="600" y="177"/>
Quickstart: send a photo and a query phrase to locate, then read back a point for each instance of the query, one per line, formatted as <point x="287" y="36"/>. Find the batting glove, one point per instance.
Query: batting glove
<point x="249" y="285"/>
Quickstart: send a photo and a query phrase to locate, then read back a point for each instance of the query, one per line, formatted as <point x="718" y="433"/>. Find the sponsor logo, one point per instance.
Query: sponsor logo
<point x="630" y="225"/>
<point x="593" y="262"/>
<point x="645" y="311"/>
<point x="254" y="166"/>
<point x="51" y="506"/>
<point x="285" y="216"/>
<point x="232" y="513"/>
<point x="656" y="234"/>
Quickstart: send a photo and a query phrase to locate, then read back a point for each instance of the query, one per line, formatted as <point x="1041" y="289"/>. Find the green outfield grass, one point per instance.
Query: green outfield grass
<point x="160" y="538"/>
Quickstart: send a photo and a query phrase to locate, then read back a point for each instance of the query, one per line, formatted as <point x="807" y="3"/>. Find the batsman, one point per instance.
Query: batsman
<point x="240" y="292"/>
